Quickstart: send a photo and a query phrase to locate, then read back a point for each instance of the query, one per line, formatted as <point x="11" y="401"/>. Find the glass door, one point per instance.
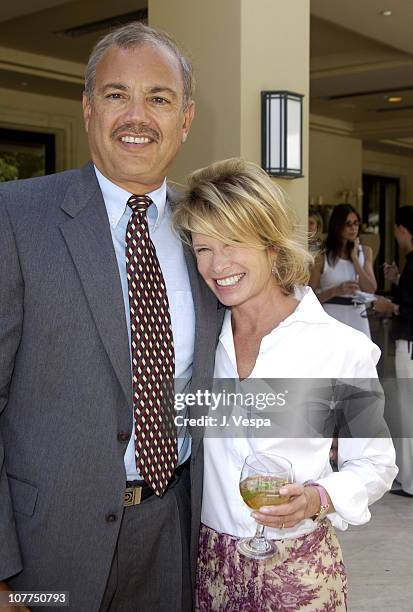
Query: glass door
<point x="381" y="196"/>
<point x="25" y="154"/>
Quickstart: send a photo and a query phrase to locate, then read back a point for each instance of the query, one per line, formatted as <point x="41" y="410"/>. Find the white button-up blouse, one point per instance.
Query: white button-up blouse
<point x="307" y="344"/>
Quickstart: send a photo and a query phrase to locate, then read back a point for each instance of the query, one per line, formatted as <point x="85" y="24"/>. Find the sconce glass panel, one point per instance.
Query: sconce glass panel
<point x="281" y="133"/>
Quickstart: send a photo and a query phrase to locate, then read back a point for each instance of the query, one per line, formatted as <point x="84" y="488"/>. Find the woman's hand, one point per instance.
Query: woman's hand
<point x="364" y="274"/>
<point x="347" y="288"/>
<point x="354" y="253"/>
<point x="303" y="503"/>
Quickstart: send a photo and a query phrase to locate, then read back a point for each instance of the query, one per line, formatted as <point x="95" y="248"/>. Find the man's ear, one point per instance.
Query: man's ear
<point x="188" y="118"/>
<point x="86" y="110"/>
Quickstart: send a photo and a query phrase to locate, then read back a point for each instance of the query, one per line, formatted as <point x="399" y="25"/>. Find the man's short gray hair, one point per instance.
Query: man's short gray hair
<point x="133" y="35"/>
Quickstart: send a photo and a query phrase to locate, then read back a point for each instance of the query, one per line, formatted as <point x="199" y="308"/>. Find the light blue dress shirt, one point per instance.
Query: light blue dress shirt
<point x="171" y="258"/>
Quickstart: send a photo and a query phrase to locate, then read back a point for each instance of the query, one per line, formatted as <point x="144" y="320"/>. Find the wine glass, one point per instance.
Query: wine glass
<point x="262" y="476"/>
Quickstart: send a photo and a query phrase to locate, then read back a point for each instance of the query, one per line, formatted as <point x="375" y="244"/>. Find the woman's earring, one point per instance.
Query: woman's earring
<point x="274" y="270"/>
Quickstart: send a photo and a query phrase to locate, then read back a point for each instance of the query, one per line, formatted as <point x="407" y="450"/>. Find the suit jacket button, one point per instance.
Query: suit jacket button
<point x="123" y="437"/>
<point x="111" y="518"/>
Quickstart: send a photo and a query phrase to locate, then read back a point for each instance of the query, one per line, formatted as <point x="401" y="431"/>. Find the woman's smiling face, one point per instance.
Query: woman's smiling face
<point x="236" y="274"/>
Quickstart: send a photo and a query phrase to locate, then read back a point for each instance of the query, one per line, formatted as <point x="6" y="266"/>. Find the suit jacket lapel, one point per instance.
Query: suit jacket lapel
<point x="208" y="323"/>
<point x="88" y="238"/>
<point x="208" y="319"/>
<point x="207" y="326"/>
<point x="207" y="315"/>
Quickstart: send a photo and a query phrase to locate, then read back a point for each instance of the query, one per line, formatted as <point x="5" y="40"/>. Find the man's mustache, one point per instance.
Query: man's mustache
<point x="140" y="131"/>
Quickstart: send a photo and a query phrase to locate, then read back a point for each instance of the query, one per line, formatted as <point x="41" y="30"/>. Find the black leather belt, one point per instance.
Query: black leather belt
<point x="138" y="490"/>
<point x="342" y="301"/>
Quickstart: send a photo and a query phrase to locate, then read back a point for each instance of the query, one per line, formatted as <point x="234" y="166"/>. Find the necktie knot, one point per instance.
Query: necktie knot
<point x="139" y="203"/>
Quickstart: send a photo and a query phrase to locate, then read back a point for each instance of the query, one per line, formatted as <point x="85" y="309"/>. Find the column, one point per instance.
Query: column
<point x="239" y="48"/>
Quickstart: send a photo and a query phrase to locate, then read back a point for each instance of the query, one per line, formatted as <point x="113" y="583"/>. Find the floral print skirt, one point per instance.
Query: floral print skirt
<point x="307" y="574"/>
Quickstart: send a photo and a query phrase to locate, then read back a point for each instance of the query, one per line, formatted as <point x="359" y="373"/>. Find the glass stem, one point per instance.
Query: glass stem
<point x="259" y="533"/>
<point x="258" y="543"/>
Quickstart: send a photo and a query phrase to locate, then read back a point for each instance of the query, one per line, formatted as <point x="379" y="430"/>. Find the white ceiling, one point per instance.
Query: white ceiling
<point x="363" y="17"/>
<point x="17" y="8"/>
<point x="358" y="57"/>
<point x="41" y="32"/>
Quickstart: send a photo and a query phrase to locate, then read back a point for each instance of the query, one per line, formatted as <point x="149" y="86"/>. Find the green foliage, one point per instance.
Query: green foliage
<point x="21" y="164"/>
<point x="8" y="168"/>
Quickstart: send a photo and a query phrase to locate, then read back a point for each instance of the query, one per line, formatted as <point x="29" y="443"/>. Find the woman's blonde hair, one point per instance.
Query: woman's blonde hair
<point x="236" y="202"/>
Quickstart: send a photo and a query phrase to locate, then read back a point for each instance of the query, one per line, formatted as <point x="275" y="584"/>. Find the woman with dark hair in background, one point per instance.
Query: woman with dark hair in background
<point x="402" y="310"/>
<point x="343" y="269"/>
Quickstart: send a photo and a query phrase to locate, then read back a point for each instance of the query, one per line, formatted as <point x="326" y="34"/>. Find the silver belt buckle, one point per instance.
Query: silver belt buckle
<point x="132" y="496"/>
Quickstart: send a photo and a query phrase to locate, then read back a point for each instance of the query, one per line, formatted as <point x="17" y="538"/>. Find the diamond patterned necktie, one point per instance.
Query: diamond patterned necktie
<point x="153" y="358"/>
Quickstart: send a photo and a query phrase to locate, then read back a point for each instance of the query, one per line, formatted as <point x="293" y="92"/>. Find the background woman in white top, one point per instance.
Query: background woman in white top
<point x="244" y="241"/>
<point x="343" y="268"/>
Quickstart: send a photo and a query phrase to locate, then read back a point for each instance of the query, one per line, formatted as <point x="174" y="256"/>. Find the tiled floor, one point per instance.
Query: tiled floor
<point x="379" y="555"/>
<point x="379" y="558"/>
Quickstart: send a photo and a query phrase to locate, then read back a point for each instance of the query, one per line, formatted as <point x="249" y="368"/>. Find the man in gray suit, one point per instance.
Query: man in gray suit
<point x="67" y="424"/>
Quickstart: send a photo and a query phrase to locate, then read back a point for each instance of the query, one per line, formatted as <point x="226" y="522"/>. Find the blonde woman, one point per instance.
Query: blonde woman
<point x="315" y="229"/>
<point x="244" y="240"/>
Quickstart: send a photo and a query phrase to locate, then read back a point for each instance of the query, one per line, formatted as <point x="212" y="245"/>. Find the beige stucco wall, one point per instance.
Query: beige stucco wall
<point x="275" y="37"/>
<point x="209" y="32"/>
<point x="238" y="51"/>
<point x="335" y="166"/>
<point x="34" y="112"/>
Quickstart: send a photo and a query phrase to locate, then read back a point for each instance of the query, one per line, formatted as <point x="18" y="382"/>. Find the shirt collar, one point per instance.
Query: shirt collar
<point x="116" y="198"/>
<point x="308" y="310"/>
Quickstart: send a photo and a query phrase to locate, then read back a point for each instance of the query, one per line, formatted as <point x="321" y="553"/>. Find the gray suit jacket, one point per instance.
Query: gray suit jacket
<point x="65" y="385"/>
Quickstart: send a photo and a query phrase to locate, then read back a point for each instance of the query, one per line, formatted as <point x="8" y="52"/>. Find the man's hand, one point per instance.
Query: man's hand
<point x="303" y="503"/>
<point x="383" y="305"/>
<point x="5" y="607"/>
<point x="391" y="273"/>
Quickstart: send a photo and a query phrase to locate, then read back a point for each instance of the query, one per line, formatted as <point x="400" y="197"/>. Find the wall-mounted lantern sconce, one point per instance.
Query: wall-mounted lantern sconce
<point x="282" y="133"/>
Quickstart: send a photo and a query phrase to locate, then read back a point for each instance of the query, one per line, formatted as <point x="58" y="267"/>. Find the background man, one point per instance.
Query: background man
<point x="84" y="325"/>
<point x="402" y="311"/>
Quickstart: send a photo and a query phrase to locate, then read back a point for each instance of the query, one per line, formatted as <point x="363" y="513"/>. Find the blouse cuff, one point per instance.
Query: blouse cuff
<point x="349" y="497"/>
